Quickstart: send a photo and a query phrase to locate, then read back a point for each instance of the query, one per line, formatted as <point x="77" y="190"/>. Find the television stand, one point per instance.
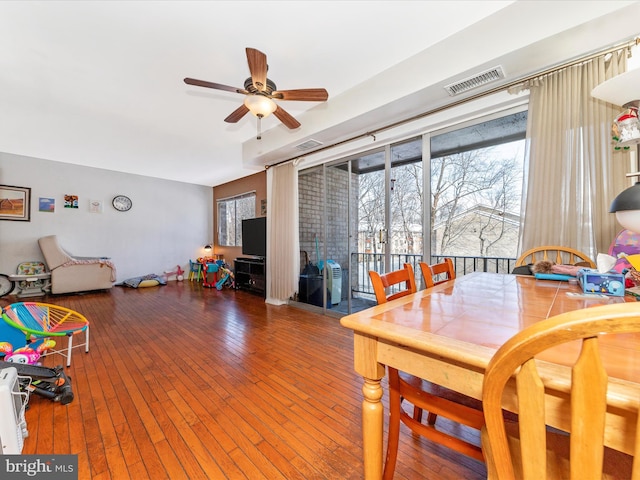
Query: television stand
<point x="250" y="274"/>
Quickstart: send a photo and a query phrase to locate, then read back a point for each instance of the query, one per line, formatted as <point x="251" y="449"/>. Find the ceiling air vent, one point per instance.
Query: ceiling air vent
<point x="309" y="144"/>
<point x="478" y="80"/>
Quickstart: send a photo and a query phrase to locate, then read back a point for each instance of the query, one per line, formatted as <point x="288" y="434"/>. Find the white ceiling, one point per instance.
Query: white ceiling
<point x="100" y="83"/>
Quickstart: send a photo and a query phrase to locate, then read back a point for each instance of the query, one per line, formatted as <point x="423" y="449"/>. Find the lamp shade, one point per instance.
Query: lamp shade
<point x="626" y="206"/>
<point x="620" y="90"/>
<point x="260" y="105"/>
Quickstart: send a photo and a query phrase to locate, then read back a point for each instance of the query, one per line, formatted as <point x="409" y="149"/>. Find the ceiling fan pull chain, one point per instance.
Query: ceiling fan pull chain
<point x="259" y="137"/>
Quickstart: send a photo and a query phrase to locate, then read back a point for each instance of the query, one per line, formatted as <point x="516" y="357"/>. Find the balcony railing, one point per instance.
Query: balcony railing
<point x="462" y="264"/>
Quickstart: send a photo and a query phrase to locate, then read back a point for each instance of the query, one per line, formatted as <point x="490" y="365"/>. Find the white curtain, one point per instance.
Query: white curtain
<point x="283" y="245"/>
<point x="572" y="174"/>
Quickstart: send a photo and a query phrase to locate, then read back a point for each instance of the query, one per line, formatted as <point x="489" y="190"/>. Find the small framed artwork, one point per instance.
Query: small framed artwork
<point x="70" y="201"/>
<point x="15" y="203"/>
<point x="95" y="206"/>
<point x="47" y="205"/>
<point x="263" y="207"/>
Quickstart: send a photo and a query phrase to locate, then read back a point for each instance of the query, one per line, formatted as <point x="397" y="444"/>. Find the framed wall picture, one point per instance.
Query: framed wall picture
<point x="15" y="203"/>
<point x="70" y="201"/>
<point x="95" y="206"/>
<point x="46" y="204"/>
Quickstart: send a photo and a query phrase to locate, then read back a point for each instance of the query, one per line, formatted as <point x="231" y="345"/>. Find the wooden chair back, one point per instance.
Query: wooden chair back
<point x="399" y="282"/>
<point x="531" y="449"/>
<point x="556" y="254"/>
<point x="436" y="271"/>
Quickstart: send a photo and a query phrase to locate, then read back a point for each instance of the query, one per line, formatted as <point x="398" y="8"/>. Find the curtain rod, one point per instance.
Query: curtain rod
<point x="586" y="58"/>
<point x="234" y="197"/>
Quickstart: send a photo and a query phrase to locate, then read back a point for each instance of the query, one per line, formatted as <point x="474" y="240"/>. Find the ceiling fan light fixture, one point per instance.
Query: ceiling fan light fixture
<point x="260" y="105"/>
<point x="259" y="92"/>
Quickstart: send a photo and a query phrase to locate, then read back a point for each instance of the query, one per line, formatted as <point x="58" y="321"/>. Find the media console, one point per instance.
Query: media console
<point x="250" y="274"/>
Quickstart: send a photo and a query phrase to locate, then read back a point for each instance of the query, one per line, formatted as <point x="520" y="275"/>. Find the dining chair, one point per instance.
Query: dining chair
<point x="556" y="254"/>
<point x="526" y="449"/>
<point x="437" y="273"/>
<point x="421" y="394"/>
<point x="398" y="282"/>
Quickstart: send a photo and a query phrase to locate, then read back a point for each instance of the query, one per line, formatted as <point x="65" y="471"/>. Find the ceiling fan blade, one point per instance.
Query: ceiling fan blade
<point x="237" y="114"/>
<point x="285" y="118"/>
<point x="217" y="86"/>
<point x="305" y="94"/>
<point x="258" y="68"/>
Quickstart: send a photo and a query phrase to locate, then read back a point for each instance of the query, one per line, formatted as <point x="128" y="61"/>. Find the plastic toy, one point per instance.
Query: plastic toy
<point x="626" y="128"/>
<point x="226" y="276"/>
<point x="25" y="355"/>
<point x="210" y="268"/>
<point x="51" y="383"/>
<point x="178" y="272"/>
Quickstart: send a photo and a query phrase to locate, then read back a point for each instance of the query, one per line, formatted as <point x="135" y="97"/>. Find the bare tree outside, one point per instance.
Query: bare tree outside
<point x="475" y="201"/>
<point x="406" y="208"/>
<point x="231" y="212"/>
<point x="484" y="180"/>
<point x="371" y="210"/>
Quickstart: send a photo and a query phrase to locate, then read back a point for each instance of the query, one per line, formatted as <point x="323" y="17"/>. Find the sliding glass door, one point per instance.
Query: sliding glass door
<point x="453" y="193"/>
<point x="406" y="199"/>
<point x="374" y="218"/>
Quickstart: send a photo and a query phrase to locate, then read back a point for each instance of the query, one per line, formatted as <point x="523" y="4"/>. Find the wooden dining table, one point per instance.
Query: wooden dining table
<point x="447" y="335"/>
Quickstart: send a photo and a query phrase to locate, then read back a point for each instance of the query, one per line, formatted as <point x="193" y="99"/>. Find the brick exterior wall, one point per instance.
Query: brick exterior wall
<point x="311" y="211"/>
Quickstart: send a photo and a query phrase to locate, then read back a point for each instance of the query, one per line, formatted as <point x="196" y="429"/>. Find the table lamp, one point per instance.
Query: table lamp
<point x="624" y="90"/>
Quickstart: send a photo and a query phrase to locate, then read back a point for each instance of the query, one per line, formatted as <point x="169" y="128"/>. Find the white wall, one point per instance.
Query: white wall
<point x="169" y="222"/>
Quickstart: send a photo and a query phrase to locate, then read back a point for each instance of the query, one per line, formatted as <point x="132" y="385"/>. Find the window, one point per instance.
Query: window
<point x="231" y="212"/>
<point x="476" y="188"/>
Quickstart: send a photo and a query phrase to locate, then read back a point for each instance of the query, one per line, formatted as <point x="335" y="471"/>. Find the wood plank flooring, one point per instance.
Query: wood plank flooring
<point x="183" y="382"/>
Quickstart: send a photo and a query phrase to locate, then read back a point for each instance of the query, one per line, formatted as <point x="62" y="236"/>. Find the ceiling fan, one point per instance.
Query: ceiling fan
<point x="260" y="93"/>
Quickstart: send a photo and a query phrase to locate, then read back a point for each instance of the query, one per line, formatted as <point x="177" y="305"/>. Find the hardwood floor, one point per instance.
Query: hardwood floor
<point x="183" y="382"/>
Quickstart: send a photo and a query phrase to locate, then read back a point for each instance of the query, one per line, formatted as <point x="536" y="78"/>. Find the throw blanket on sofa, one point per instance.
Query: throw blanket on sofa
<point x="85" y="261"/>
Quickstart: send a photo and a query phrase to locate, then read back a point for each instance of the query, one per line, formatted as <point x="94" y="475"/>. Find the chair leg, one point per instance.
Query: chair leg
<point x="69" y="347"/>
<point x="394" y="425"/>
<point x="86" y="340"/>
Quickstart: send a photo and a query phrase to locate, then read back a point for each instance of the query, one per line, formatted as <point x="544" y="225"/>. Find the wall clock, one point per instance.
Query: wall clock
<point x="121" y="203"/>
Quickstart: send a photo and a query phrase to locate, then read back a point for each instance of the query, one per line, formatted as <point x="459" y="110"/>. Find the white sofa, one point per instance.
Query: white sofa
<point x="75" y="274"/>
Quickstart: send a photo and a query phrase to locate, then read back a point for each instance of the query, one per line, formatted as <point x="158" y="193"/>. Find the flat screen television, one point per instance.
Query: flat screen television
<point x="254" y="236"/>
